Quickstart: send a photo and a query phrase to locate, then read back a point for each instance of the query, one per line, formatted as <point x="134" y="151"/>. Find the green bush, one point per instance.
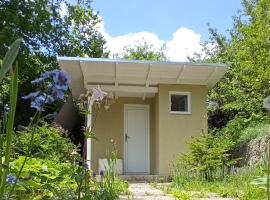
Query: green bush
<point x="49" y="142"/>
<point x="52" y="171"/>
<point x="242" y="130"/>
<point x="253" y="131"/>
<point x="48" y="172"/>
<point x="208" y="157"/>
<point x="44" y="179"/>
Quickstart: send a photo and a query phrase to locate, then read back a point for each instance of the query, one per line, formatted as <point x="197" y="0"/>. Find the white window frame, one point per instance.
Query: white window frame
<point x="188" y="94"/>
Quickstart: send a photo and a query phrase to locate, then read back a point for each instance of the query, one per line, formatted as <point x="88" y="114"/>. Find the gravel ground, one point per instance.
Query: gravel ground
<point x="143" y="191"/>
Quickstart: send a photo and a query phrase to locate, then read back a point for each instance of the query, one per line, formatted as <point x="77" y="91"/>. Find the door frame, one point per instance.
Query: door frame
<point x="146" y="108"/>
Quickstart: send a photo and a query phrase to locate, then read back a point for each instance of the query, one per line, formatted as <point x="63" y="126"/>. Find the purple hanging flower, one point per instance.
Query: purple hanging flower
<point x="61" y="79"/>
<point x="42" y="78"/>
<point x="10" y="179"/>
<point x="31" y="95"/>
<point x="60" y="94"/>
<point x="98" y="94"/>
<point x="56" y="84"/>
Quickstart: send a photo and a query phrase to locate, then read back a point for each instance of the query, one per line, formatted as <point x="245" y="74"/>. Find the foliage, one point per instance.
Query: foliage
<point x="234" y="186"/>
<point x="49" y="142"/>
<point x="252" y="129"/>
<point x="247" y="82"/>
<point x="112" y="184"/>
<point x="242" y="130"/>
<point x="179" y="194"/>
<point x="144" y="51"/>
<point x="108" y="185"/>
<point x="47" y="29"/>
<point x="52" y="171"/>
<point x="208" y="156"/>
<point x="181" y="173"/>
<point x="43" y="178"/>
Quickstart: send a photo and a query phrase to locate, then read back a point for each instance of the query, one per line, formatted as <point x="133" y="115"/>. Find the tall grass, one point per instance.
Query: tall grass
<point x="237" y="186"/>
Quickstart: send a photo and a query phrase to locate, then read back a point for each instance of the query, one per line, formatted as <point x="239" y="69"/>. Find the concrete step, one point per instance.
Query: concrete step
<point x="144" y="178"/>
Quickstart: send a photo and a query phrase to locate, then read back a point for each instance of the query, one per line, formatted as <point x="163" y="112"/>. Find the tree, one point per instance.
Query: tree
<point x="247" y="83"/>
<point x="144" y="52"/>
<point x="48" y="28"/>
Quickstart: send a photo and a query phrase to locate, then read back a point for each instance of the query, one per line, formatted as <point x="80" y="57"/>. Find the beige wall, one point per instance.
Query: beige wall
<point x="110" y="124"/>
<point x="175" y="129"/>
<point x="168" y="132"/>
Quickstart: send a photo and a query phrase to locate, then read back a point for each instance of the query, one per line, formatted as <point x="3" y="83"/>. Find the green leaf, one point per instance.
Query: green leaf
<point x="11" y="117"/>
<point x="9" y="58"/>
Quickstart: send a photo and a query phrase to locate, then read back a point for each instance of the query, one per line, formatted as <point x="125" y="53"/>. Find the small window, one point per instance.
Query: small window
<point x="180" y="102"/>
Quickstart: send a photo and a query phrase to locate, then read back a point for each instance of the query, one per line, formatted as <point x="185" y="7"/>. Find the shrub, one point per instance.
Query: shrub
<point x="253" y="131"/>
<point x="49" y="142"/>
<point x="208" y="156"/>
<point x="242" y="130"/>
<point x="44" y="179"/>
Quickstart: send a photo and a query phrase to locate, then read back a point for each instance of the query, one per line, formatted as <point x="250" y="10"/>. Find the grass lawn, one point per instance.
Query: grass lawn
<point x="235" y="186"/>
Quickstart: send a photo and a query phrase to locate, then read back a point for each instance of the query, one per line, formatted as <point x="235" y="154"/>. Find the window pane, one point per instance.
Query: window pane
<point x="179" y="103"/>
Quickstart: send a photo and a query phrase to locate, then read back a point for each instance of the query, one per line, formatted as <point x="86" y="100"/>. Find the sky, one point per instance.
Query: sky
<point x="179" y="24"/>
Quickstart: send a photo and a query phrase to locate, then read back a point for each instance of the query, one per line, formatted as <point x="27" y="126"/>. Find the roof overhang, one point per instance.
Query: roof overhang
<point x="133" y="78"/>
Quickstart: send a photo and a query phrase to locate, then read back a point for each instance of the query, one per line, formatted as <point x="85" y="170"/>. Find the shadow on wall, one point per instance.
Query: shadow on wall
<point x="70" y="119"/>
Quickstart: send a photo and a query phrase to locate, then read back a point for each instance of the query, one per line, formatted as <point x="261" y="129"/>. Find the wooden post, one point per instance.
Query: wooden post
<point x="89" y="140"/>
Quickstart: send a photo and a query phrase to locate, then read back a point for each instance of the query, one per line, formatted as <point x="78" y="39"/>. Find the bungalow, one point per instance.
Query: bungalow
<point x="158" y="107"/>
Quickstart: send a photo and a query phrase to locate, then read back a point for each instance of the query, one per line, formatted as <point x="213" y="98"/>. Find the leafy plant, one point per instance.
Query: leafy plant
<point x="180" y="194"/>
<point x="43" y="178"/>
<point x="49" y="141"/>
<point x="242" y="130"/>
<point x="208" y="156"/>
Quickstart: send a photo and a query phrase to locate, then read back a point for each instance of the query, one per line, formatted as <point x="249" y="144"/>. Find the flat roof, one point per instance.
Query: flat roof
<point x="62" y="58"/>
<point x="134" y="78"/>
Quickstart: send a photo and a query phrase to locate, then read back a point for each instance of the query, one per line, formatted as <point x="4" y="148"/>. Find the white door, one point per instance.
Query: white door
<point x="136" y="137"/>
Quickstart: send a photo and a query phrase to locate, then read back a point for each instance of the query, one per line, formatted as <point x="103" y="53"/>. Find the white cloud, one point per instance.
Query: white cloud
<point x="185" y="42"/>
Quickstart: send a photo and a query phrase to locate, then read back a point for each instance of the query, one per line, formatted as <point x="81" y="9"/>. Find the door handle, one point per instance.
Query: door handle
<point x="126" y="137"/>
